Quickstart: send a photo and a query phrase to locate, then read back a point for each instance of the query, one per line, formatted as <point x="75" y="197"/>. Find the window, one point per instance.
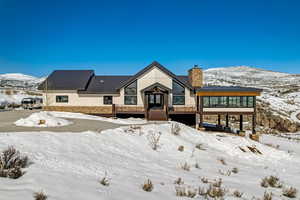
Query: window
<point x="206" y="102"/>
<point x="130" y="97"/>
<point x="62" y="99"/>
<point x="228" y="102"/>
<point x="108" y="100"/>
<point x="250" y="102"/>
<point x="178" y="94"/>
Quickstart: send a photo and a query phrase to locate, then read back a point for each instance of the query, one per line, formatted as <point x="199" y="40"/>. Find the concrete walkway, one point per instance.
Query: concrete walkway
<point x="7" y="119"/>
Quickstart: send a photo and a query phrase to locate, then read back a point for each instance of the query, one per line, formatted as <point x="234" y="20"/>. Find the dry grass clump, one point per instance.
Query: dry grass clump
<point x="200" y="147"/>
<point x="235" y="170"/>
<point x="148" y="186"/>
<point x="179" y="181"/>
<point x="40" y="195"/>
<point x="11" y="163"/>
<point x="268" y="196"/>
<point x="182" y="191"/>
<point x="237" y="194"/>
<point x="204" y="180"/>
<point x="290" y="192"/>
<point x="197" y="166"/>
<point x="222" y="160"/>
<point x="185" y="167"/>
<point x="271" y="181"/>
<point x="181" y="148"/>
<point x="175" y="129"/>
<point x="272" y="145"/>
<point x="153" y="139"/>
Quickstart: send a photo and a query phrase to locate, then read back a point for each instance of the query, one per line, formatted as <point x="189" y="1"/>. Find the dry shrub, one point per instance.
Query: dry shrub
<point x="290" y="192"/>
<point x="217" y="183"/>
<point x="237" y="194"/>
<point x="200" y="147"/>
<point x="181" y="191"/>
<point x="271" y="181"/>
<point x="197" y="166"/>
<point x="40" y="195"/>
<point x="215" y="192"/>
<point x="227" y="173"/>
<point x="11" y="163"/>
<point x="179" y="181"/>
<point x="235" y="170"/>
<point x="175" y="129"/>
<point x="148" y="186"/>
<point x="185" y="167"/>
<point x="267" y="196"/>
<point x="8" y="92"/>
<point x="204" y="180"/>
<point x="153" y="139"/>
<point x="273" y="146"/>
<point x="181" y="148"/>
<point x="222" y="160"/>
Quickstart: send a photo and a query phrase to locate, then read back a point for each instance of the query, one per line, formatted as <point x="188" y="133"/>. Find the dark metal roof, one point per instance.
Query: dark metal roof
<point x="104" y="84"/>
<point x="67" y="80"/>
<point x="227" y="89"/>
<point x="162" y="68"/>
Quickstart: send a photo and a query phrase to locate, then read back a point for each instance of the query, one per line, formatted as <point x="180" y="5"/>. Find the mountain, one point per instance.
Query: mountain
<point x="19" y="81"/>
<point x="279" y="103"/>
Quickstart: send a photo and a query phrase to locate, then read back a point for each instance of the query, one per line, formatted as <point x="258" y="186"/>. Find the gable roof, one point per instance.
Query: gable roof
<point x="104" y="84"/>
<point x="159" y="66"/>
<point x="156" y="85"/>
<point x="67" y="80"/>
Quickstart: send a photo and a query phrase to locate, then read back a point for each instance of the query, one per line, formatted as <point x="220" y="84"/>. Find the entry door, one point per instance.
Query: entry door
<point x="155" y="101"/>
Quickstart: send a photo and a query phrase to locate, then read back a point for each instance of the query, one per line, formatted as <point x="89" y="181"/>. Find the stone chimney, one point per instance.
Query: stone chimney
<point x="196" y="76"/>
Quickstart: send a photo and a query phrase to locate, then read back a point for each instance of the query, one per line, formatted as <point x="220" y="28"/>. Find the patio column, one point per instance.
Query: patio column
<point x="254" y="123"/>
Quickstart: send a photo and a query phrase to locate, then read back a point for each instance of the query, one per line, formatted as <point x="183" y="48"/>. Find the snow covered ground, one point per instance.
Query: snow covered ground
<point x="70" y="165"/>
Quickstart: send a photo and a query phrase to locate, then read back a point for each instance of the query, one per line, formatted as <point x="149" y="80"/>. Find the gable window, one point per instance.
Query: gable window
<point x="130" y="94"/>
<point x="107" y="100"/>
<point x="178" y="94"/>
<point x="62" y="99"/>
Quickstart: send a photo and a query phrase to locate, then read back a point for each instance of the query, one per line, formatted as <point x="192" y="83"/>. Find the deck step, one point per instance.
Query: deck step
<point x="157" y="115"/>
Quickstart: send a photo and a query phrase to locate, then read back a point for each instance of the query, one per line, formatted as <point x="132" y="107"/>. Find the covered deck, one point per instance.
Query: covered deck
<point x="226" y="101"/>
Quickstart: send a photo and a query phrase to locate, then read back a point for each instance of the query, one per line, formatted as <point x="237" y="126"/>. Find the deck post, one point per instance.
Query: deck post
<point x="219" y="120"/>
<point x="254" y="123"/>
<point x="241" y="123"/>
<point x="227" y="120"/>
<point x="201" y="112"/>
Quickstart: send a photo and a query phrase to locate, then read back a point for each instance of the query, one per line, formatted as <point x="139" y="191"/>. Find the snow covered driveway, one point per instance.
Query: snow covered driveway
<point x="69" y="165"/>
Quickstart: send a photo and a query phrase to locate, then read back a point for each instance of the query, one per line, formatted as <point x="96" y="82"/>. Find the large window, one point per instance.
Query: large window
<point x="228" y="102"/>
<point x="130" y="97"/>
<point x="178" y="94"/>
<point x="107" y="100"/>
<point x="62" y="99"/>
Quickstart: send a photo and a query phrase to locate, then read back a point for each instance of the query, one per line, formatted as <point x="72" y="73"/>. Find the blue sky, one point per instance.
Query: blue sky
<point x="121" y="37"/>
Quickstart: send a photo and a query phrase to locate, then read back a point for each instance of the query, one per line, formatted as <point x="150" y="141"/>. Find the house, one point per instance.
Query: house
<point x="154" y="92"/>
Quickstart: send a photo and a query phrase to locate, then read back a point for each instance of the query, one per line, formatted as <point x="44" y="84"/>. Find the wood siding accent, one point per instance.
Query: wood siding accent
<point x="224" y="93"/>
<point x="81" y="109"/>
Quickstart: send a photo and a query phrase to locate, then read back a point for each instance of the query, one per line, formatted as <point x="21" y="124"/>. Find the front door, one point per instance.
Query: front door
<point x="155" y="101"/>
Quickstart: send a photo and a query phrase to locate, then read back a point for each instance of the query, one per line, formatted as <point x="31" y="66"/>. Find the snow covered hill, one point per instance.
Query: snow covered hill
<point x="280" y="99"/>
<point x="19" y="81"/>
<point x="71" y="165"/>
